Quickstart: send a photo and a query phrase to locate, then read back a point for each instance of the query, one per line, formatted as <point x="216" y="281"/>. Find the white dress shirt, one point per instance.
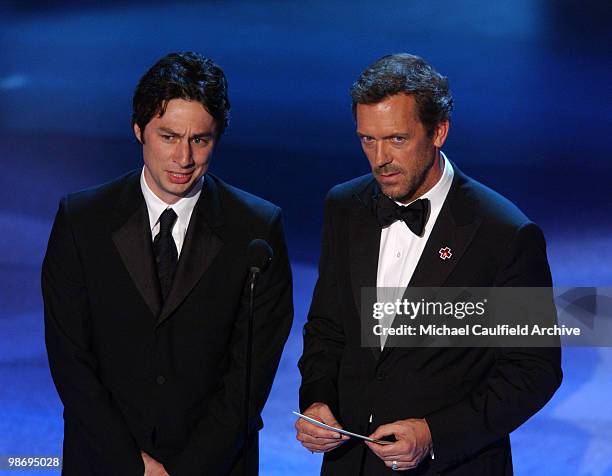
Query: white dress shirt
<point x="183" y="209"/>
<point x="400" y="249"/>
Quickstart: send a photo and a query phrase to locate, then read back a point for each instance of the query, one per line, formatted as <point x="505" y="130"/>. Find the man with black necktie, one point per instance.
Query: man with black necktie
<point x="416" y="221"/>
<point x="146" y="308"/>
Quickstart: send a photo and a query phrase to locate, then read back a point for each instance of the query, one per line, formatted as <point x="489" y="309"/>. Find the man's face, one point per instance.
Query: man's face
<point x="401" y="153"/>
<point x="177" y="148"/>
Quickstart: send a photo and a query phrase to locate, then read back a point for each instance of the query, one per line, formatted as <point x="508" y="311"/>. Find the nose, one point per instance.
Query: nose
<point x="183" y="154"/>
<point x="381" y="156"/>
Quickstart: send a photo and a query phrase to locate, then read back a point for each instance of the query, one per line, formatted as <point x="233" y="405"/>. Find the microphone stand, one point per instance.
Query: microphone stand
<point x="254" y="275"/>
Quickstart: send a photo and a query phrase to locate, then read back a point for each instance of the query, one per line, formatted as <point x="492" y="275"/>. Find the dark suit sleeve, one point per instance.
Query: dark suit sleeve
<point x="217" y="438"/>
<point x="323" y="333"/>
<point x="521" y="381"/>
<point x="88" y="405"/>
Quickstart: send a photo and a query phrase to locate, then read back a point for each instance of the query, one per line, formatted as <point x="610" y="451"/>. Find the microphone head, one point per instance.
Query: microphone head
<point x="259" y="255"/>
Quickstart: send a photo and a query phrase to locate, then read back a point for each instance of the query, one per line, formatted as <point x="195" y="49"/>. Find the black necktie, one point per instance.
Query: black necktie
<point x="413" y="215"/>
<point x="166" y="255"/>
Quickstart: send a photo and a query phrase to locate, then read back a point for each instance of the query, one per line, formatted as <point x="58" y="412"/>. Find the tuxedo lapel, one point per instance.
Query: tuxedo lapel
<point x="364" y="244"/>
<point x="202" y="244"/>
<point x="133" y="240"/>
<point x="445" y="246"/>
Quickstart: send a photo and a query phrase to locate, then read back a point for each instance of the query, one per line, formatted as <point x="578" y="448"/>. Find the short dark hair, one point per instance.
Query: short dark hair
<point x="188" y="76"/>
<point x="402" y="73"/>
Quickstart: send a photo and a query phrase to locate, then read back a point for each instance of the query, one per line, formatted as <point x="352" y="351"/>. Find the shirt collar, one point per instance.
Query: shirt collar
<point x="183" y="207"/>
<point x="437" y="193"/>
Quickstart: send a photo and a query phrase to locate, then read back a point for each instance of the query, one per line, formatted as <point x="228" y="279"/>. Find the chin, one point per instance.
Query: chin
<point x="393" y="192"/>
<point x="400" y="195"/>
<point x="175" y="191"/>
<point x="182" y="190"/>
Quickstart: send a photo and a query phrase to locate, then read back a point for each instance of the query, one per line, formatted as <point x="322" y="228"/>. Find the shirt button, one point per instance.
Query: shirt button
<point x="399" y="254"/>
<point x="160" y="380"/>
<point x="381" y="376"/>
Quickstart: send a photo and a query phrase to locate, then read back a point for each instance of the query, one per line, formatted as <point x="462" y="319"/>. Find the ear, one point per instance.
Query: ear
<point x="440" y="134"/>
<point x="138" y="133"/>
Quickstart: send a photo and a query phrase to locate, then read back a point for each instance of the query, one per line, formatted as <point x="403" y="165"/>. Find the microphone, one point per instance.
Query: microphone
<point x="259" y="255"/>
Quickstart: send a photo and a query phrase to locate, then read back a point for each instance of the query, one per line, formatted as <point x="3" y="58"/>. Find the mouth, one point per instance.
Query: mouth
<point x="179" y="177"/>
<point x="388" y="177"/>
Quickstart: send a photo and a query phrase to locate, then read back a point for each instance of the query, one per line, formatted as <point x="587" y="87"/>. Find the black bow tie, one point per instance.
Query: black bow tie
<point x="413" y="215"/>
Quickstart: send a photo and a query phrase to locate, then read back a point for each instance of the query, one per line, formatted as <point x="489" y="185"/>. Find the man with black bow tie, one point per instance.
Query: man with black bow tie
<point x="416" y="221"/>
<point x="146" y="307"/>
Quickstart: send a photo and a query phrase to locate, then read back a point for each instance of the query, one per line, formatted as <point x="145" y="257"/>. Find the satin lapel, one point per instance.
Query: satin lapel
<point x="202" y="244"/>
<point x="364" y="244"/>
<point x="453" y="232"/>
<point x="432" y="269"/>
<point x="133" y="241"/>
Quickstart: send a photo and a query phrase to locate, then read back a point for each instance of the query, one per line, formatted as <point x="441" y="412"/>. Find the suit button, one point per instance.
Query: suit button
<point x="160" y="379"/>
<point x="381" y="376"/>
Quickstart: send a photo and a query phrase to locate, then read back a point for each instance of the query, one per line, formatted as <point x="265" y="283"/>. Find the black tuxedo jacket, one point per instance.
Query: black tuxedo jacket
<point x="472" y="398"/>
<point x="135" y="374"/>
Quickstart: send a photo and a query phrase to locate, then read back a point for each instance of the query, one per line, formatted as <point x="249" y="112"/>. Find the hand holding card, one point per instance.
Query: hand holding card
<point x="340" y="430"/>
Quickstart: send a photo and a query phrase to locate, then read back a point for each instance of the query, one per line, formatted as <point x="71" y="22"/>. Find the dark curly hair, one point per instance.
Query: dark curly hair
<point x="188" y="76"/>
<point x="403" y="73"/>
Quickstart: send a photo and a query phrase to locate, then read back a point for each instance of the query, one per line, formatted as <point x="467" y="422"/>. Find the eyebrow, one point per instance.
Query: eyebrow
<point x="198" y="134"/>
<point x="395" y="134"/>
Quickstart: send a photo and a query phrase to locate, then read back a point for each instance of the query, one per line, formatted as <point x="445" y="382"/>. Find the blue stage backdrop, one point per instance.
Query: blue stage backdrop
<point x="531" y="82"/>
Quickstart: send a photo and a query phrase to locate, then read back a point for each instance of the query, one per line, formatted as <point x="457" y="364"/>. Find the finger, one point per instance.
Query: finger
<point x="404" y="462"/>
<point x="305" y="437"/>
<point x="375" y="447"/>
<point x="321" y="448"/>
<point x="326" y="448"/>
<point x="404" y="459"/>
<point x="400" y="448"/>
<point x="403" y="466"/>
<point x="385" y="430"/>
<point x="316" y="431"/>
<point x="321" y="434"/>
<point x="399" y="465"/>
<point x="327" y="417"/>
